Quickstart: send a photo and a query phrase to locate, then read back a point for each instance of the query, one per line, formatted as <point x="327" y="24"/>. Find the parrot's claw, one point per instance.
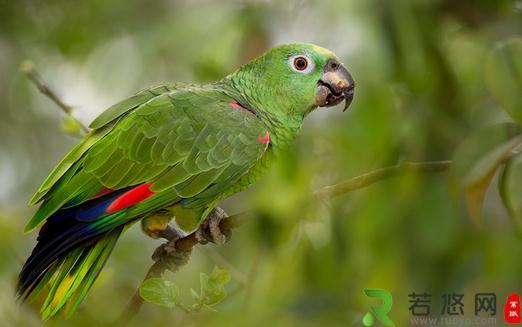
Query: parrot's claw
<point x="209" y="230"/>
<point x="161" y="225"/>
<point x="172" y="232"/>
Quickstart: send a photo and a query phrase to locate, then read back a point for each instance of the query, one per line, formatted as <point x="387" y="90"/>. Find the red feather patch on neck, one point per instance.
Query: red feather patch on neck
<point x="239" y="106"/>
<point x="265" y="138"/>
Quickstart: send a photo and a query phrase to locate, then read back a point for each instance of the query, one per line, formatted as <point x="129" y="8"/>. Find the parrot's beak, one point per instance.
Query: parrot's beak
<point x="336" y="84"/>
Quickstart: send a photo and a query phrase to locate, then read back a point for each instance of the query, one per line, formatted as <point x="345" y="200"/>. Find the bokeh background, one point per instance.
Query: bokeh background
<point x="422" y="90"/>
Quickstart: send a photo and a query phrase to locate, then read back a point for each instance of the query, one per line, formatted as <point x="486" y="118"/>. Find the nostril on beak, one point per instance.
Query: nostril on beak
<point x="341" y="85"/>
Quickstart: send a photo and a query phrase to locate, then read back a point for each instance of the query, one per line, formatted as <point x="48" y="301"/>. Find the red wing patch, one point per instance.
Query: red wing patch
<point x="131" y="197"/>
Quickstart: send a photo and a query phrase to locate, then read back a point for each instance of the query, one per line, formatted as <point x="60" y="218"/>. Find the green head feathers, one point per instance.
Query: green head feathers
<point x="289" y="81"/>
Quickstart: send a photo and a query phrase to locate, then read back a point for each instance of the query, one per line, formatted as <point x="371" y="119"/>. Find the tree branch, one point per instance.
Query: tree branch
<point x="368" y="179"/>
<point x="32" y="74"/>
<point x="185" y="244"/>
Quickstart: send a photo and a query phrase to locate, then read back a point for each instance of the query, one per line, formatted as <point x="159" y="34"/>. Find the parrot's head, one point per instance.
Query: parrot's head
<point x="293" y="79"/>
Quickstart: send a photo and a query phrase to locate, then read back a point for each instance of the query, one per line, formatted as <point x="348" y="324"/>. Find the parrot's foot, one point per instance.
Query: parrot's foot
<point x="160" y="225"/>
<point x="209" y="230"/>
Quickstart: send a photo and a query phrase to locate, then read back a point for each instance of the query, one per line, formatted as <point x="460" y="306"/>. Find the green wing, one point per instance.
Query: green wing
<point x="129" y="104"/>
<point x="190" y="143"/>
<point x="101" y="126"/>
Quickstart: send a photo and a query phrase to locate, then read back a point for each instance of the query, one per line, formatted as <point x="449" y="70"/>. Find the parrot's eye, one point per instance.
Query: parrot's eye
<point x="302" y="64"/>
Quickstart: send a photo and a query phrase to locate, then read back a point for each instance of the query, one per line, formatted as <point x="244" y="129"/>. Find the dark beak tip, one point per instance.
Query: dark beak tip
<point x="348" y="98"/>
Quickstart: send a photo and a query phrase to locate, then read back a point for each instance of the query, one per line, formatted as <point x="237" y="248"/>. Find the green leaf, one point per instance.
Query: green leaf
<point x="478" y="160"/>
<point x="213" y="286"/>
<point x="504" y="76"/>
<point x="160" y="291"/>
<point x="195" y="295"/>
<point x="480" y="176"/>
<point x="510" y="188"/>
<point x="71" y="125"/>
<point x="208" y="307"/>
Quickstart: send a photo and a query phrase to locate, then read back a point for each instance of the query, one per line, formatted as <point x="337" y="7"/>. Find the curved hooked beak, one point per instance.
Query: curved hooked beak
<point x="336" y="84"/>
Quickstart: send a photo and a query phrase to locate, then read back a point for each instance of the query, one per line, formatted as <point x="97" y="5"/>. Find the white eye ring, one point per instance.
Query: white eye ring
<point x="301" y="63"/>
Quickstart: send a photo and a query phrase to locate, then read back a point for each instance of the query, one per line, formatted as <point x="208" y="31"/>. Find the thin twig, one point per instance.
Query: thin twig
<point x="368" y="179"/>
<point x="136" y="301"/>
<point x="33" y="75"/>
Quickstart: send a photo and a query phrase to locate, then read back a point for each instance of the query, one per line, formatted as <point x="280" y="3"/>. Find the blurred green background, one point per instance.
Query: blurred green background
<point x="422" y="89"/>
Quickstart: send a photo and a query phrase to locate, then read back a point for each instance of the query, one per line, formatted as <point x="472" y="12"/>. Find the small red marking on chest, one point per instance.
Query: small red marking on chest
<point x="264" y="139"/>
<point x="238" y="106"/>
<point x="131" y="197"/>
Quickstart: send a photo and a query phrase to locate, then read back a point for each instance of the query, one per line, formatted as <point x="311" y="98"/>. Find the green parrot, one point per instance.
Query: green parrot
<point x="173" y="150"/>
